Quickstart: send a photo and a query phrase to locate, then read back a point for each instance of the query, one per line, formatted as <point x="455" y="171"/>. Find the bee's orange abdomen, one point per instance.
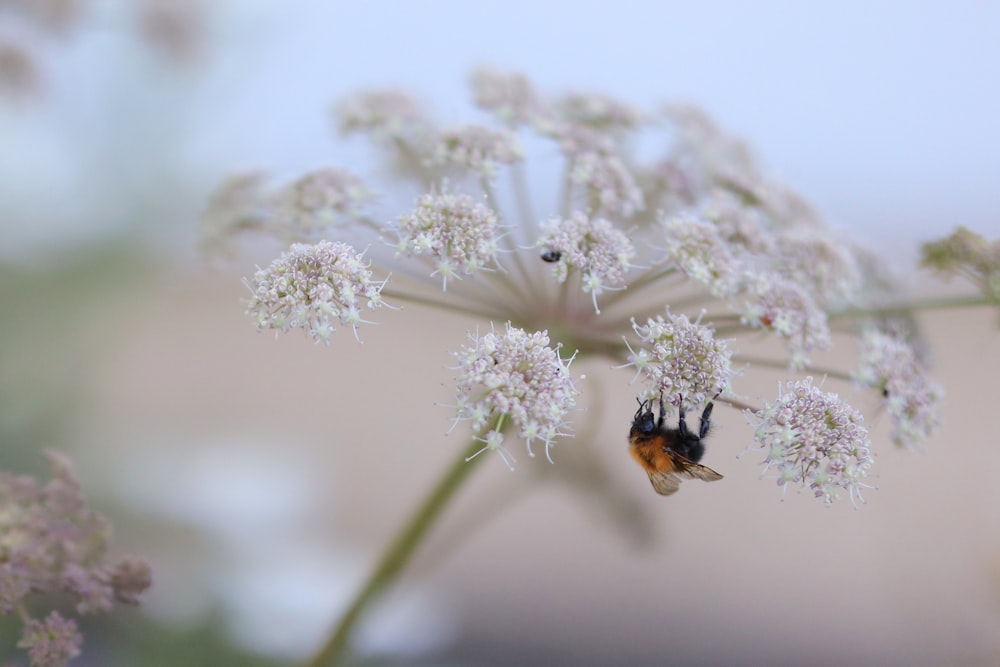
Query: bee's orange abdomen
<point x="651" y="456"/>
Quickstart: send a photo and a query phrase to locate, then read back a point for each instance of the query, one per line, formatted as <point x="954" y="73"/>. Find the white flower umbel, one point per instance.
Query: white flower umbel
<point x="684" y="361"/>
<point x="518" y="377"/>
<point x="696" y="230"/>
<point x="786" y="308"/>
<point x="596" y="260"/>
<point x="912" y="399"/>
<point x="311" y="287"/>
<point x="477" y="148"/>
<point x="320" y="199"/>
<point x="696" y="247"/>
<point x="459" y="235"/>
<point x="814" y="439"/>
<point x="594" y="247"/>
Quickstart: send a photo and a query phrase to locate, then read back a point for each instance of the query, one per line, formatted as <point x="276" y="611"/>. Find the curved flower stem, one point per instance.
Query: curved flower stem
<point x="398" y="555"/>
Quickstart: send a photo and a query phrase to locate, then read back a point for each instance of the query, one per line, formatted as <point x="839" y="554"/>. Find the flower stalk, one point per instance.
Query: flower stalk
<point x="396" y="557"/>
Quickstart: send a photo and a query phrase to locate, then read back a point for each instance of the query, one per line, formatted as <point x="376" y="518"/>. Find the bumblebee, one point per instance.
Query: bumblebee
<point x="669" y="455"/>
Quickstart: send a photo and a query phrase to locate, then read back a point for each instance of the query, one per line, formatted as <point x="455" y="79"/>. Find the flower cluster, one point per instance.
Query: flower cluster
<point x="696" y="246"/>
<point x="477" y="148"/>
<point x="592" y="246"/>
<point x="684" y="360"/>
<point x="814" y="439"/>
<point x="51" y="542"/>
<point x="385" y="115"/>
<point x="697" y="231"/>
<point x="319" y="200"/>
<point x="786" y="308"/>
<point x="459" y="234"/>
<point x="509" y="96"/>
<point x="518" y="377"/>
<point x="913" y="400"/>
<point x="311" y="287"/>
<point x="970" y="255"/>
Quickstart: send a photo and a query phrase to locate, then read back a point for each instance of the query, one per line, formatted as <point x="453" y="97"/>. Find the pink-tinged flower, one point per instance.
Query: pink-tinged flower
<point x="715" y="158"/>
<point x="311" y="287"/>
<point x="510" y="96"/>
<point x="320" y="199"/>
<point x="458" y="235"/>
<point x="594" y="247"/>
<point x="814" y="439"/>
<point x="610" y="187"/>
<point x="740" y="225"/>
<point x="598" y="111"/>
<point x="697" y="248"/>
<point x="912" y="399"/>
<point x="809" y="258"/>
<point x="681" y="359"/>
<point x="52" y="642"/>
<point x="514" y="377"/>
<point x="772" y="302"/>
<point x="239" y="204"/>
<point x="52" y="543"/>
<point x="384" y="114"/>
<point x="476" y="148"/>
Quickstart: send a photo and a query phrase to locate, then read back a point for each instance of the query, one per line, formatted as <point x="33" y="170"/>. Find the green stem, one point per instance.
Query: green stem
<point x="916" y="306"/>
<point x="398" y="555"/>
<point x="783" y="365"/>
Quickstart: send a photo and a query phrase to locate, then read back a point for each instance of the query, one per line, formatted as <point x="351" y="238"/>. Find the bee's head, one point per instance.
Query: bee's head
<point x="643" y="421"/>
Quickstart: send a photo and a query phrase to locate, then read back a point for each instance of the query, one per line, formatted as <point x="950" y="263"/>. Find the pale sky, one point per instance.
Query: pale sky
<point x="883" y="114"/>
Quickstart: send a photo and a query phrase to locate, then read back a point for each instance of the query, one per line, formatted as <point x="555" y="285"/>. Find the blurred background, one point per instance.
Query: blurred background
<point x="261" y="478"/>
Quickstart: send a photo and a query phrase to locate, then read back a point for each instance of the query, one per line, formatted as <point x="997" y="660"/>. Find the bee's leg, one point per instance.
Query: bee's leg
<point x="682" y="425"/>
<point x="663" y="413"/>
<point x="706" y="420"/>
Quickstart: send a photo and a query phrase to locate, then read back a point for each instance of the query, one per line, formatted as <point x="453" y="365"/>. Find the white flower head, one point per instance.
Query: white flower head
<point x="601" y="252"/>
<point x="320" y="199"/>
<point x="238" y="204"/>
<point x="383" y="114"/>
<point x="696" y="247"/>
<point x="514" y="377"/>
<point x="598" y="111"/>
<point x="912" y="399"/>
<point x="814" y="439"/>
<point x="611" y="189"/>
<point x="510" y="96"/>
<point x="812" y="259"/>
<point x="786" y="308"/>
<point x="681" y="359"/>
<point x="312" y="286"/>
<point x="477" y="148"/>
<point x="460" y="235"/>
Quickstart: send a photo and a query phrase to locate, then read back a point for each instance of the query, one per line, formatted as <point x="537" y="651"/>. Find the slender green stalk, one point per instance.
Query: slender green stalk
<point x="460" y="307"/>
<point x="782" y="364"/>
<point x="915" y="307"/>
<point x="398" y="555"/>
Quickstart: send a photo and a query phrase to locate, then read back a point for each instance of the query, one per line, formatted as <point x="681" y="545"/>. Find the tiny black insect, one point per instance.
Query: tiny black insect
<point x="551" y="256"/>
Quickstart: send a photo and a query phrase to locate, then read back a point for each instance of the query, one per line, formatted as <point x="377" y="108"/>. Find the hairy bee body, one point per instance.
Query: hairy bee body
<point x="669" y="455"/>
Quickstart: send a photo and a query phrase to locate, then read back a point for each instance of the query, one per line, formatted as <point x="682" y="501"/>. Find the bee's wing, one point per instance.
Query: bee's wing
<point x="665" y="483"/>
<point x="697" y="471"/>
